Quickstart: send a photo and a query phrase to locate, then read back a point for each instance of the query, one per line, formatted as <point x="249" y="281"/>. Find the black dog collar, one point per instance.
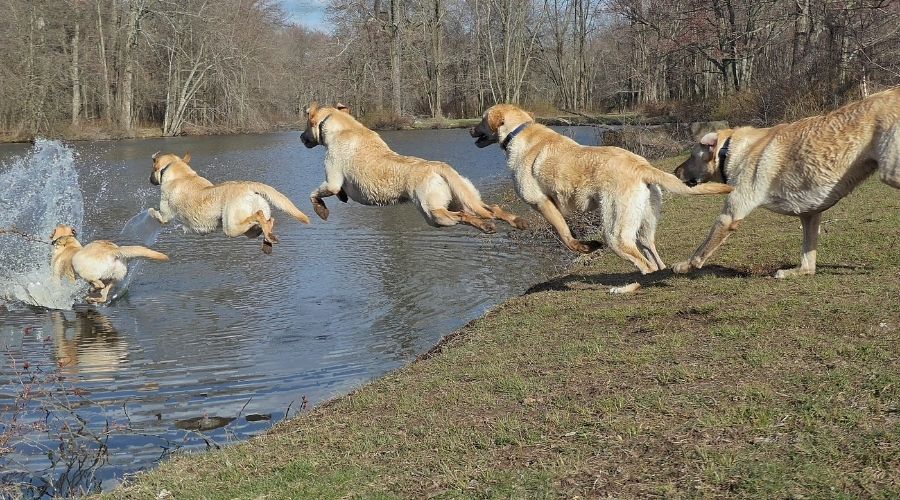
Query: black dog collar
<point x="512" y="135"/>
<point x="162" y="171"/>
<point x="322" y="131"/>
<point x="723" y="157"/>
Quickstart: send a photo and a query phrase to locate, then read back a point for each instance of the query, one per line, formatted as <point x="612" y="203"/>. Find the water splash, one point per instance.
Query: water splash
<point x="142" y="229"/>
<point x="38" y="190"/>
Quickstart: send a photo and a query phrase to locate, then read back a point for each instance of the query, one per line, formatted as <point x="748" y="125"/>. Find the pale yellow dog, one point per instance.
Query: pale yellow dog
<point x="800" y="168"/>
<point x="558" y="176"/>
<point x="101" y="263"/>
<point x="360" y="166"/>
<point x="238" y="207"/>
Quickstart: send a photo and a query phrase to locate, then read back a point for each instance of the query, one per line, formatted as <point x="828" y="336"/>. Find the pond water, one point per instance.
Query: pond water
<point x="222" y="341"/>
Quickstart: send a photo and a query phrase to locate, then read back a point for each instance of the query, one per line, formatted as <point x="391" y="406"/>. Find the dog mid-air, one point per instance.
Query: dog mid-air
<point x="556" y="176"/>
<point x="800" y="168"/>
<point x="239" y="207"/>
<point x="359" y="165"/>
<point x="101" y="263"/>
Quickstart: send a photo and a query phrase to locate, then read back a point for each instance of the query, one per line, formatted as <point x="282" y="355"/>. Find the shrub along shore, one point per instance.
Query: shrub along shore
<point x="722" y="383"/>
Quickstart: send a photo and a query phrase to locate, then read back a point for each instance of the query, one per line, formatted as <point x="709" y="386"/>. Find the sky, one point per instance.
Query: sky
<point x="309" y="13"/>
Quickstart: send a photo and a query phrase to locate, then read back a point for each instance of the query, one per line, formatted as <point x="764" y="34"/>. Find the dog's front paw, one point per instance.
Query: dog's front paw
<point x="320" y="208"/>
<point x="790" y="273"/>
<point x="155" y="214"/>
<point x="585" y="246"/>
<point x="519" y="223"/>
<point x="682" y="267"/>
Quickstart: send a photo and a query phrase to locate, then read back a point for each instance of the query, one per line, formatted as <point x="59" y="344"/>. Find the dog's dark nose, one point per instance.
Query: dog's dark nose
<point x="304" y="138"/>
<point x="153" y="179"/>
<point x="691" y="182"/>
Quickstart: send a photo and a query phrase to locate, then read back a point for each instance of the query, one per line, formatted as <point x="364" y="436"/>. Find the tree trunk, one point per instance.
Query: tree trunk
<point x="76" y="75"/>
<point x="107" y="98"/>
<point x="396" y="80"/>
<point x="437" y="41"/>
<point x="126" y="98"/>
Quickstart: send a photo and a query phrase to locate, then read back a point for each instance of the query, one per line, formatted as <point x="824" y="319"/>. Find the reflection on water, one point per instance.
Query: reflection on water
<point x="87" y="344"/>
<point x="222" y="334"/>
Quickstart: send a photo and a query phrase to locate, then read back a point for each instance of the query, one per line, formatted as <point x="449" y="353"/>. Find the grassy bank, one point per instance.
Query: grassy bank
<point x="723" y="383"/>
<point x="380" y="121"/>
<point x="561" y="118"/>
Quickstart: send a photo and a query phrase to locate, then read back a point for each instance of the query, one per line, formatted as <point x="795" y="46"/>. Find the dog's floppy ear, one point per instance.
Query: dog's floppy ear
<point x="494" y="119"/>
<point x="341" y="107"/>
<point x="187" y="158"/>
<point x="710" y="139"/>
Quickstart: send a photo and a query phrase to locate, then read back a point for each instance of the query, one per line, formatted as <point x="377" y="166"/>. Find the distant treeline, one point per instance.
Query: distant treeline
<point x="70" y="67"/>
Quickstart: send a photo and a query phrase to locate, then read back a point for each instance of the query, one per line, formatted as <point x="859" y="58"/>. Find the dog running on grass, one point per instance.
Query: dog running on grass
<point x="556" y="176"/>
<point x="801" y="168"/>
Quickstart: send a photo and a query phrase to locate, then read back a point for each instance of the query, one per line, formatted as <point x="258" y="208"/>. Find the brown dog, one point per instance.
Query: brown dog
<point x="239" y="207"/>
<point x="800" y="168"/>
<point x="556" y="175"/>
<point x="361" y="166"/>
<point x="101" y="263"/>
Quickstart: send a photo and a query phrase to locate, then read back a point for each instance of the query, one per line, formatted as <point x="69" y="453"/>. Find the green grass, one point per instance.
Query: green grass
<point x="726" y="382"/>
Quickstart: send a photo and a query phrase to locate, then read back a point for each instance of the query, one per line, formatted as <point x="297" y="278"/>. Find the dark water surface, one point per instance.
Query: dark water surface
<point x="224" y="331"/>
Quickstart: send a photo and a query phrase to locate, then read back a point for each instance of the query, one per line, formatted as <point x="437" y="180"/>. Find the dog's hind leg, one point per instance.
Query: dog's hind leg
<point x="266" y="226"/>
<point x="99" y="292"/>
<point x="511" y="219"/>
<point x="629" y="251"/>
<point x="889" y="160"/>
<point x="810" y="243"/>
<point x="433" y="197"/>
<point x="624" y="246"/>
<point x="646" y="236"/>
<point x="623" y="216"/>
<point x="444" y="217"/>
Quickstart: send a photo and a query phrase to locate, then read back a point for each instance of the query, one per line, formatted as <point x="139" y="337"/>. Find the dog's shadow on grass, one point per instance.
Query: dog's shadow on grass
<point x="609" y="280"/>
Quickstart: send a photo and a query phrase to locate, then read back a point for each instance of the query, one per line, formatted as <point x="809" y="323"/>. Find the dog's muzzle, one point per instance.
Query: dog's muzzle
<point x="308" y="141"/>
<point x="482" y="139"/>
<point x="154" y="179"/>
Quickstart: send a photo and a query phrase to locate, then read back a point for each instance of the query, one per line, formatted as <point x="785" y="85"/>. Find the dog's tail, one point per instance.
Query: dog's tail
<point x="133" y="251"/>
<point x="280" y="201"/>
<point x="463" y="190"/>
<point x="673" y="184"/>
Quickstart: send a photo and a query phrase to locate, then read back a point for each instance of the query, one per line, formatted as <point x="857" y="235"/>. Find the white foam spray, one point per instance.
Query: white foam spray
<point x="38" y="190"/>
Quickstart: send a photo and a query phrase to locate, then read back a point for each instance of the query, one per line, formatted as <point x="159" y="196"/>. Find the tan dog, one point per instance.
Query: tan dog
<point x="557" y="176"/>
<point x="800" y="168"/>
<point x="359" y="165"/>
<point x="239" y="207"/>
<point x="101" y="263"/>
